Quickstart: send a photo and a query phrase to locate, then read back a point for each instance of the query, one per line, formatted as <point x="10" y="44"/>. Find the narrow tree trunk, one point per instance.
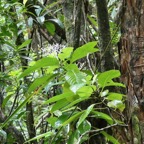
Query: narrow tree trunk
<point x="107" y="60"/>
<point x="132" y="66"/>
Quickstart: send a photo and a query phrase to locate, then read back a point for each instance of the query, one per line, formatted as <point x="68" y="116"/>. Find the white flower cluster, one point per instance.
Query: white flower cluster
<point x="52" y="49"/>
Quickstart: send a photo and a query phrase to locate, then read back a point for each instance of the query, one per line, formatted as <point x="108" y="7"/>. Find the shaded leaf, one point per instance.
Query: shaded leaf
<point x="50" y="27"/>
<point x="103" y="116"/>
<point x="110" y="138"/>
<point x="73" y="118"/>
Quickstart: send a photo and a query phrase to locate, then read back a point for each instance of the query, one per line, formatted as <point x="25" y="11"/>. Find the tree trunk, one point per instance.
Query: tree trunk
<point x="107" y="60"/>
<point x="132" y="66"/>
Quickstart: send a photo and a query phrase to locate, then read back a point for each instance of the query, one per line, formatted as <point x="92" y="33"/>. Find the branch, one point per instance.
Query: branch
<point x="98" y="130"/>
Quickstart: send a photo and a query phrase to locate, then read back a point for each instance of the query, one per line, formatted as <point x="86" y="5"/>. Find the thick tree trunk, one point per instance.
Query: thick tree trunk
<point x="132" y="66"/>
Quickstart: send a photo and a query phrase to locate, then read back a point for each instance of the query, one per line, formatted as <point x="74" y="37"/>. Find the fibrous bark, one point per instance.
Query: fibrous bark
<point x="132" y="65"/>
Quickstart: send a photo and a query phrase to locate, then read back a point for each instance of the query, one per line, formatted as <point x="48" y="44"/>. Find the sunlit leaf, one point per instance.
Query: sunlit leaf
<point x="106" y="77"/>
<point x="65" y="53"/>
<point x="115" y="96"/>
<point x="24" y="44"/>
<point x="46" y="61"/>
<point x="83" y="51"/>
<point x="85" y="114"/>
<point x="85" y="91"/>
<point x="59" y="97"/>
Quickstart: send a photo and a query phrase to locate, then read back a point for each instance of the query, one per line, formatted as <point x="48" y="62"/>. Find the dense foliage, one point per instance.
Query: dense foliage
<point x="56" y="79"/>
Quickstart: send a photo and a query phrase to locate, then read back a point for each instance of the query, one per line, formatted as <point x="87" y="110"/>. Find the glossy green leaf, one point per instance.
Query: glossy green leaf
<point x="106" y="77"/>
<point x="85" y="91"/>
<point x="46" y="61"/>
<point x="85" y="114"/>
<point x="117" y="104"/>
<point x="103" y="116"/>
<point x="76" y="79"/>
<point x="83" y="51"/>
<point x="115" y="96"/>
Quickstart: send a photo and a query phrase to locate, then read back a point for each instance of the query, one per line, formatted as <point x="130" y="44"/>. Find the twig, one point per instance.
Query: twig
<point x="98" y="130"/>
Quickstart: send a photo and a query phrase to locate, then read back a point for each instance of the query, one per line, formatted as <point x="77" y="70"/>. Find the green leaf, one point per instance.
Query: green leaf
<point x="104" y="93"/>
<point x="115" y="96"/>
<point x="85" y="91"/>
<point x="116" y="84"/>
<point x="24" y="44"/>
<point x="85" y="114"/>
<point x="59" y="104"/>
<point x="73" y="103"/>
<point x="40" y="81"/>
<point x="83" y="51"/>
<point x="110" y="138"/>
<point x="46" y="61"/>
<point x="51" y="120"/>
<point x="103" y="116"/>
<point x="73" y="118"/>
<point x="65" y="53"/>
<point x="92" y="20"/>
<point x="61" y="119"/>
<point x="117" y="104"/>
<point x="84" y="126"/>
<point x="58" y="22"/>
<point x="106" y="77"/>
<point x="71" y="67"/>
<point x="47" y="134"/>
<point x="59" y="97"/>
<point x="73" y="137"/>
<point x="76" y="79"/>
<point x="50" y="27"/>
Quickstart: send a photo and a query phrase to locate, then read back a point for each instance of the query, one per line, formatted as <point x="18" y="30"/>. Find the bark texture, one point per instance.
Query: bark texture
<point x="107" y="62"/>
<point x="132" y="66"/>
